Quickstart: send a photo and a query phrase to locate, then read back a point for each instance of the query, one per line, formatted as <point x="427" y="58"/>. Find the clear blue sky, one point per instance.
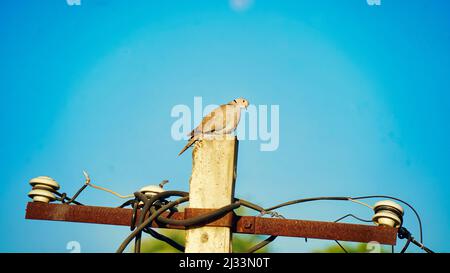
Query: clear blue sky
<point x="363" y="94"/>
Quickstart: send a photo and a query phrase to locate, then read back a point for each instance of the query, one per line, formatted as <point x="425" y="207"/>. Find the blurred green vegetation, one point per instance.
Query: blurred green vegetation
<point x="353" y="248"/>
<point x="242" y="242"/>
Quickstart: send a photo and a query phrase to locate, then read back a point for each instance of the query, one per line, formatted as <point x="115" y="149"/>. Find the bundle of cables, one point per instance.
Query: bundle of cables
<point x="153" y="206"/>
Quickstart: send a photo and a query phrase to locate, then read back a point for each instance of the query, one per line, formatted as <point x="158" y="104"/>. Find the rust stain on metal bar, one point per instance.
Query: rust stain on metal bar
<point x="317" y="230"/>
<point x="89" y="214"/>
<point x="241" y="224"/>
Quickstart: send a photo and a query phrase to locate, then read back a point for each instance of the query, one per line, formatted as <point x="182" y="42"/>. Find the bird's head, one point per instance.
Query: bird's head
<point x="241" y="102"/>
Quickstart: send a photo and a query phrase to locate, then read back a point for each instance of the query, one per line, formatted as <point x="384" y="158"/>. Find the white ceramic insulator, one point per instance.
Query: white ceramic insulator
<point x="387" y="217"/>
<point x="151" y="190"/>
<point x="41" y="196"/>
<point x="45" y="181"/>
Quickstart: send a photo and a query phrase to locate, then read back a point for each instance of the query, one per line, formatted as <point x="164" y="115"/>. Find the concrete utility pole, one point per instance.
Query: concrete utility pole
<point x="212" y="186"/>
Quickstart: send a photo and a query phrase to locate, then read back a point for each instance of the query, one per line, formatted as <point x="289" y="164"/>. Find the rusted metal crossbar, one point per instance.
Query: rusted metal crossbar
<point x="240" y="224"/>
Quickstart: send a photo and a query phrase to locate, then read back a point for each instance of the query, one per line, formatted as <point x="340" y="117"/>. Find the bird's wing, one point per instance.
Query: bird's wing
<point x="216" y="120"/>
<point x="205" y="126"/>
<point x="223" y="119"/>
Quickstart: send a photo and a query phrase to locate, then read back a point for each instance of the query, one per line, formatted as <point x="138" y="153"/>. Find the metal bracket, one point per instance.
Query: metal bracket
<point x="238" y="224"/>
<point x="225" y="221"/>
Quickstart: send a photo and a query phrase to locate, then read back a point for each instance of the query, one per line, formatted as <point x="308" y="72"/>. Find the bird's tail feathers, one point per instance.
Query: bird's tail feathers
<point x="189" y="144"/>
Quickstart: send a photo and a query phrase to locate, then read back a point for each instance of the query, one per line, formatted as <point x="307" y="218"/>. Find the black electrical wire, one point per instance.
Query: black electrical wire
<point x="198" y="220"/>
<point x="66" y="200"/>
<point x="349" y="199"/>
<point x="139" y="197"/>
<point x="156" y="235"/>
<point x="261" y="244"/>
<point x="135" y="204"/>
<point x="149" y="220"/>
<point x="63" y="197"/>
<point x="127" y="203"/>
<point x="71" y="200"/>
<point x="303" y="200"/>
<point x="354" y="216"/>
<point x="250" y="205"/>
<point x="260" y="209"/>
<point x="404" y="233"/>
<point x="408" y="241"/>
<point x="165" y="239"/>
<point x="187" y="222"/>
<point x="342" y="247"/>
<point x="342" y="218"/>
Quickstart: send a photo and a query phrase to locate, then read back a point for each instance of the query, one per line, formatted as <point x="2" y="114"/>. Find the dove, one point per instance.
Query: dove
<point x="221" y="121"/>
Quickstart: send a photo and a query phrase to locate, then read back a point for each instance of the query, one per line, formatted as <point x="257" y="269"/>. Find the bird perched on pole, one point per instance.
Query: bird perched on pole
<point x="221" y="121"/>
